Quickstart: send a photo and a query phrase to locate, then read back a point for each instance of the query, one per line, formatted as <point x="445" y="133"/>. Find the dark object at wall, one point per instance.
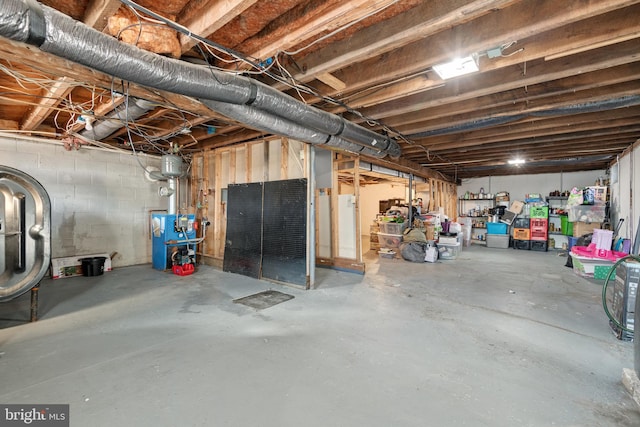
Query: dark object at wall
<point x="93" y="266"/>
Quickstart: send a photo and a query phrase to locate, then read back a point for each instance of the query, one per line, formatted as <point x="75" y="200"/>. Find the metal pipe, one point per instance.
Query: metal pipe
<point x="171" y="210"/>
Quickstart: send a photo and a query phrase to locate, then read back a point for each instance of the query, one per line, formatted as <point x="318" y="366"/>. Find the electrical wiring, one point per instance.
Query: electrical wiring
<point x="287" y="74"/>
<point x="383" y="85"/>
<point x="252" y="62"/>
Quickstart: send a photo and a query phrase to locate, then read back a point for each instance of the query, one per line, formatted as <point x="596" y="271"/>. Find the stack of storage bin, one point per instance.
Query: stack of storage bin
<point x="521" y="234"/>
<point x="497" y="236"/>
<point x="539" y="227"/>
<point x="390" y="235"/>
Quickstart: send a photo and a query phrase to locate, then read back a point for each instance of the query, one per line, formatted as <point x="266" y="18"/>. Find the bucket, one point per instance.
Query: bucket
<point x="93" y="266"/>
<point x="566" y="227"/>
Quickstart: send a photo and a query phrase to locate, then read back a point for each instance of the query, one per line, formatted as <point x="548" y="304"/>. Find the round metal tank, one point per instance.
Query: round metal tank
<point x="25" y="232"/>
<point x="171" y="165"/>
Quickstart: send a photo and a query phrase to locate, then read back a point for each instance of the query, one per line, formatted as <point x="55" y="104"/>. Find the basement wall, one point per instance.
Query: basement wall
<point x="625" y="177"/>
<point x="370" y="196"/>
<point x="100" y="199"/>
<point x="519" y="185"/>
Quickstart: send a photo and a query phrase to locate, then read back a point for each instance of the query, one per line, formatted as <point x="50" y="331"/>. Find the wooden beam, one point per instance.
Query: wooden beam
<point x="52" y="65"/>
<point x="325" y="17"/>
<point x="98" y="12"/>
<point x="404" y="165"/>
<point x="9" y="125"/>
<point x="538" y="126"/>
<point x="510" y="78"/>
<point x="48" y="101"/>
<point x="618" y="26"/>
<point x="487" y="31"/>
<point x="208" y="17"/>
<point x="331" y="80"/>
<point x="515" y="102"/>
<point x="416" y="24"/>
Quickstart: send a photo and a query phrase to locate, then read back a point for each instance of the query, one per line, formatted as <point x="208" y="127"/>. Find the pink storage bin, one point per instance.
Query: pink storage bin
<point x="592" y="252"/>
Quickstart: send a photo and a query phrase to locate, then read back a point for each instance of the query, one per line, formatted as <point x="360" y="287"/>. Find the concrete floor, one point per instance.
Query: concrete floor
<point x="494" y="338"/>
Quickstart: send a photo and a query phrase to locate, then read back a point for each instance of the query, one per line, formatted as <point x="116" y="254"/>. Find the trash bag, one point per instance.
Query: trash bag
<point x="414" y="235"/>
<point x="413" y="251"/>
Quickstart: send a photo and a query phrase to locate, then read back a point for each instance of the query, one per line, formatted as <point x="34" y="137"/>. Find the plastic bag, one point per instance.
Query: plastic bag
<point x="431" y="255"/>
<point x="414" y="235"/>
<point x="575" y="197"/>
<point x="413" y="251"/>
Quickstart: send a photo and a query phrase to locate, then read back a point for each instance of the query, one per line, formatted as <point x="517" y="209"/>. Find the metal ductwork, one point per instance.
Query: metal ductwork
<point x="587" y="107"/>
<point x="56" y="33"/>
<point x="133" y="109"/>
<point x="261" y="120"/>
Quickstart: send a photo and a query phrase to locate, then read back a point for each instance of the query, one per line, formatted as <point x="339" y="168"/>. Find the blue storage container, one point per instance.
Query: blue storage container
<point x="496" y="228"/>
<point x="572" y="241"/>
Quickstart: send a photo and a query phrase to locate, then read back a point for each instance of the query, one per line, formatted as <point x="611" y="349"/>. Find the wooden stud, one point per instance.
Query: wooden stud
<point x="356" y="190"/>
<point x="219" y="227"/>
<point x="284" y="159"/>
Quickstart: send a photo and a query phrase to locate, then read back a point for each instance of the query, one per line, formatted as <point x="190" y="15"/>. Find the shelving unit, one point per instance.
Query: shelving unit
<point x="555" y="221"/>
<point x="479" y="215"/>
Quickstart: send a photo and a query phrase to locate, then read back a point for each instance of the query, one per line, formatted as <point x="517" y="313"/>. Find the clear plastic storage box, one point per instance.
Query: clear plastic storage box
<point x="448" y="251"/>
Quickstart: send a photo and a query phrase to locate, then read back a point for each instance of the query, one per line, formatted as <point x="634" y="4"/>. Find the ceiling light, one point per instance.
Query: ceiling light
<point x="457" y="67"/>
<point x="516" y="162"/>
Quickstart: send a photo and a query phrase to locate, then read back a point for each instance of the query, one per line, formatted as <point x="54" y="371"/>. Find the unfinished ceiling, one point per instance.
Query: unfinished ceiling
<point x="557" y="86"/>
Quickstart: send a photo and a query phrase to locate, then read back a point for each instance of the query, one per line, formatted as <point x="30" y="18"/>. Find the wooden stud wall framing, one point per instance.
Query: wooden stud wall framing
<point x="353" y="175"/>
<point x="209" y="180"/>
<point x="211" y="250"/>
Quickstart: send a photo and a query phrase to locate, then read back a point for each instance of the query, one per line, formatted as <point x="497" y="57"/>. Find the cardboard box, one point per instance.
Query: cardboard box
<point x="516" y="207"/>
<point x="582" y="228"/>
<point x="72" y="266"/>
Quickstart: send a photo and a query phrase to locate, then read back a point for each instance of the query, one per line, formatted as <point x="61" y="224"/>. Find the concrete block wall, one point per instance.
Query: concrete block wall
<point x="100" y="198"/>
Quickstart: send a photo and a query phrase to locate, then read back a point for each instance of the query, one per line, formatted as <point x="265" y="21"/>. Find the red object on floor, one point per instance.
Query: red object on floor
<point x="183" y="270"/>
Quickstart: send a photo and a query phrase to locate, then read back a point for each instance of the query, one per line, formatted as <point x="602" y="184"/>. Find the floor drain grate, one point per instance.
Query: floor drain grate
<point x="264" y="299"/>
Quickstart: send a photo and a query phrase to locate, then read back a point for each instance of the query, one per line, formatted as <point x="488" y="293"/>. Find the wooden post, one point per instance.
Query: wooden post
<point x="218" y="235"/>
<point x="356" y="191"/>
<point x="284" y="160"/>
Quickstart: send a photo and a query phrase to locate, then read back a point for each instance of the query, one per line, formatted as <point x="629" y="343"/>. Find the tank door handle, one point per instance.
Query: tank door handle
<point x="22" y="231"/>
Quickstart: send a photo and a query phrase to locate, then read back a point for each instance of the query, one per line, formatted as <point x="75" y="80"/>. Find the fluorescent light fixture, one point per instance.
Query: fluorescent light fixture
<point x="516" y="162"/>
<point x="456" y="67"/>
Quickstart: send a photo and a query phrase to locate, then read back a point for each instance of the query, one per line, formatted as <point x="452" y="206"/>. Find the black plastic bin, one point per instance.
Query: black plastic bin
<point x="93" y="266"/>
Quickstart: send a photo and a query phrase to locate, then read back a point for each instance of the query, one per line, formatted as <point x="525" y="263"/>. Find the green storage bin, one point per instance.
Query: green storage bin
<point x="539" y="212"/>
<point x="600" y="272"/>
<point x="566" y="227"/>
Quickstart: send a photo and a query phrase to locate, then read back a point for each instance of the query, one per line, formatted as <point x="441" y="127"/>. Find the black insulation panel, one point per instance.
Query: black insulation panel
<point x="284" y="254"/>
<point x="243" y="243"/>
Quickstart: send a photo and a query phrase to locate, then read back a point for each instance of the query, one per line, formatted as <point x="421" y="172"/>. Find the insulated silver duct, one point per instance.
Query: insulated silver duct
<point x="24" y="20"/>
<point x="134" y="109"/>
<point x="264" y="121"/>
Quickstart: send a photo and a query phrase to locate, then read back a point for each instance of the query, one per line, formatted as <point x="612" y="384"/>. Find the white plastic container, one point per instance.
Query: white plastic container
<point x="448" y="251"/>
